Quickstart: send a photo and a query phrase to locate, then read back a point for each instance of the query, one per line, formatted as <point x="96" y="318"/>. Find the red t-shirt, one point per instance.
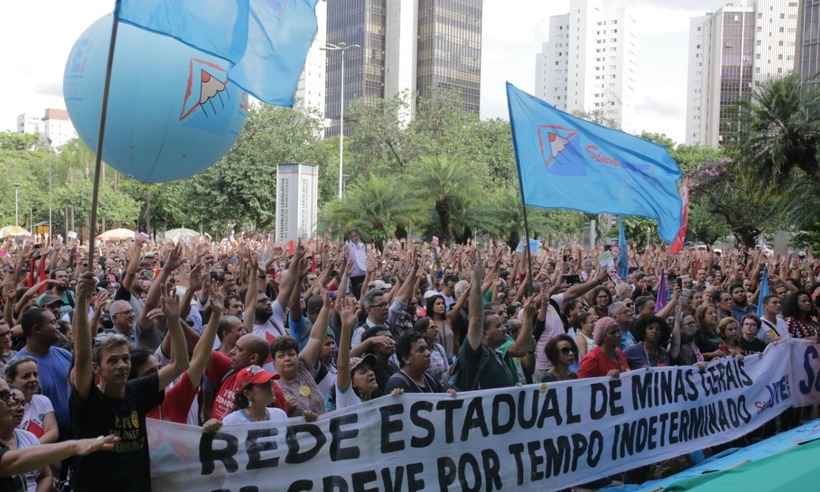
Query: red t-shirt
<point x="223" y="402"/>
<point x="596" y="363"/>
<point x="177" y="402"/>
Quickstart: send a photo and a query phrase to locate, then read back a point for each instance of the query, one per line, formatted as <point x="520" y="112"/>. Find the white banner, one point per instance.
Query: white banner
<point x="535" y="437"/>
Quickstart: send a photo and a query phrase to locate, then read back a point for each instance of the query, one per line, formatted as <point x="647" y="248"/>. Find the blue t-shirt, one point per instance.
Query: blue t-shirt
<point x="54" y="369"/>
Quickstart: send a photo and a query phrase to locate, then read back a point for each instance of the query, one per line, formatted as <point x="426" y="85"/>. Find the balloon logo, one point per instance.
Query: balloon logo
<point x="172" y="111"/>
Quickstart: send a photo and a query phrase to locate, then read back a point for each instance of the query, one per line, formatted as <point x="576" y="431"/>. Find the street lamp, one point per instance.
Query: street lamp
<point x="17" y="204"/>
<point x="341" y="47"/>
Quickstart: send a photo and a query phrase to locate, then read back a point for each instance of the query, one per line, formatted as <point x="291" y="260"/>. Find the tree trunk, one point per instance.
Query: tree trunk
<point x="401" y="232"/>
<point x="443" y="211"/>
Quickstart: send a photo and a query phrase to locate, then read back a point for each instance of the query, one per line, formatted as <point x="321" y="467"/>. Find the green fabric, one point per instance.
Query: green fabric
<point x="797" y="469"/>
<point x="512" y="362"/>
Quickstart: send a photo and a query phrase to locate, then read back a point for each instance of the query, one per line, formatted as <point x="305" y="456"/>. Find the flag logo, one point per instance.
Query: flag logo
<point x="552" y="140"/>
<point x="207" y="82"/>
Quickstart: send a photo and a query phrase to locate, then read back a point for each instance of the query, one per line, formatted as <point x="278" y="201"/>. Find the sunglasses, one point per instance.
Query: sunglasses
<point x="567" y="351"/>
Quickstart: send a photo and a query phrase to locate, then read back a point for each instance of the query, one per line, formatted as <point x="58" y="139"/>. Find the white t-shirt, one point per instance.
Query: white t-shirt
<point x="275" y="415"/>
<point x="345" y="399"/>
<point x="25" y="440"/>
<point x="274" y="327"/>
<point x="553" y="326"/>
<point x="34" y="415"/>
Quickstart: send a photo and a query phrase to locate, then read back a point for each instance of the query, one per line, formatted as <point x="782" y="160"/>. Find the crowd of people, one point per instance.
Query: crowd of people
<point x="244" y="330"/>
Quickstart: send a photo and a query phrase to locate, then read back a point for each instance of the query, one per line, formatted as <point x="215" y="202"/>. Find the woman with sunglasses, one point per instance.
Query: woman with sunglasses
<point x="563" y="354"/>
<point x="13" y="437"/>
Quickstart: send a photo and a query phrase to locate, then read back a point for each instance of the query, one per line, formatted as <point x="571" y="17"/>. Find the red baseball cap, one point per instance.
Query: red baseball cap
<point x="253" y="375"/>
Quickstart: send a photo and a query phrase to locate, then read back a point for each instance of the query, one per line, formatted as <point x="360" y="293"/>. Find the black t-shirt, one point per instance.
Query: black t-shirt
<point x="15" y="483"/>
<point x="752" y="347"/>
<point x="127" y="468"/>
<point x="401" y="380"/>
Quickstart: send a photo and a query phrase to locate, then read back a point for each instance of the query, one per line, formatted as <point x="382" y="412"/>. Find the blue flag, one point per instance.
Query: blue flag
<point x="567" y="162"/>
<point x="764" y="291"/>
<point x="265" y="41"/>
<point x="623" y="251"/>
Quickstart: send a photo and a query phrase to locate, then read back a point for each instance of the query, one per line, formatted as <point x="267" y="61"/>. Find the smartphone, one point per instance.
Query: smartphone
<point x="570" y="279"/>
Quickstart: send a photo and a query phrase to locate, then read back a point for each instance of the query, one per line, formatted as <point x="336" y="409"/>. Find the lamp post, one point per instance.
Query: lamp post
<point x="17" y="204"/>
<point x="341" y="47"/>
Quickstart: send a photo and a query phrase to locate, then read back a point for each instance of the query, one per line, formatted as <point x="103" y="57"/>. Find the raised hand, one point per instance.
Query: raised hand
<point x="86" y="286"/>
<point x="347" y="309"/>
<point x="174" y="260"/>
<point x="170" y="302"/>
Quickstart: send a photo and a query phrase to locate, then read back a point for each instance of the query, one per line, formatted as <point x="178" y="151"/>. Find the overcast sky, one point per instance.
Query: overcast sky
<point x="36" y="36"/>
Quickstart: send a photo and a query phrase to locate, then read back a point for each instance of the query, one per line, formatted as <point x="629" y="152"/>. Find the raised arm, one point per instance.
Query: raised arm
<point x="523" y="341"/>
<point x="155" y="292"/>
<point x="475" y="325"/>
<point x="250" y="301"/>
<point x="347" y="312"/>
<point x="83" y="375"/>
<point x="409" y="284"/>
<point x="134" y="256"/>
<point x="194" y="284"/>
<point x="674" y="350"/>
<point x="204" y="346"/>
<point x="578" y="290"/>
<point x="179" y="350"/>
<point x="313" y="348"/>
<point x="291" y="277"/>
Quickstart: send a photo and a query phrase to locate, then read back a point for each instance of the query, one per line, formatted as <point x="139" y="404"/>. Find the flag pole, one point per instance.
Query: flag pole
<point x="521" y="193"/>
<point x="101" y="136"/>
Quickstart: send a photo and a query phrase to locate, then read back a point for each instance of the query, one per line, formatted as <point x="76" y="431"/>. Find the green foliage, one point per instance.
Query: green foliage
<point x="781" y="131"/>
<point x="375" y="206"/>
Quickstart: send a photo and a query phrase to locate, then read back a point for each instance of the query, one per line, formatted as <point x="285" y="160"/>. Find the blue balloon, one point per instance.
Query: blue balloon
<point x="171" y="110"/>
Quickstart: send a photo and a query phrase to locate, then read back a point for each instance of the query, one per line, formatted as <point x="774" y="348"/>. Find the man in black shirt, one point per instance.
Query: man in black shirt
<point x="117" y="405"/>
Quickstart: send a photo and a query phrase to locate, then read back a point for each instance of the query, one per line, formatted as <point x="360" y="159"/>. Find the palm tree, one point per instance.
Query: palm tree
<point x="375" y="206"/>
<point x="781" y="130"/>
<point x="449" y="184"/>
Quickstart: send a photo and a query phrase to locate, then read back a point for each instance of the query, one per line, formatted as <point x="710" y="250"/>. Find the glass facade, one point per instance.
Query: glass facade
<point x="448" y="57"/>
<point x="807" y="59"/>
<point x="449" y="49"/>
<point x="354" y="22"/>
<point x="736" y="70"/>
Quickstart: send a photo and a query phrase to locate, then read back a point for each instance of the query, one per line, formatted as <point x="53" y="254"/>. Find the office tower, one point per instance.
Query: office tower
<point x="589" y="63"/>
<point x="807" y="55"/>
<point x="731" y="51"/>
<point x="414" y="48"/>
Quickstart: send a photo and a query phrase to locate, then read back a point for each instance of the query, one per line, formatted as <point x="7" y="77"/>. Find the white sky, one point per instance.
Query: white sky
<point x="36" y="37"/>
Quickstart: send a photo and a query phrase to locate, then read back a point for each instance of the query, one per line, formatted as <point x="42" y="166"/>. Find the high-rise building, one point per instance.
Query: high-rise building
<point x="731" y="51"/>
<point x="413" y="48"/>
<point x="351" y="22"/>
<point x="310" y="93"/>
<point x="297" y="201"/>
<point x="589" y="63"/>
<point x="449" y="50"/>
<point x="807" y="55"/>
<point x="54" y="127"/>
